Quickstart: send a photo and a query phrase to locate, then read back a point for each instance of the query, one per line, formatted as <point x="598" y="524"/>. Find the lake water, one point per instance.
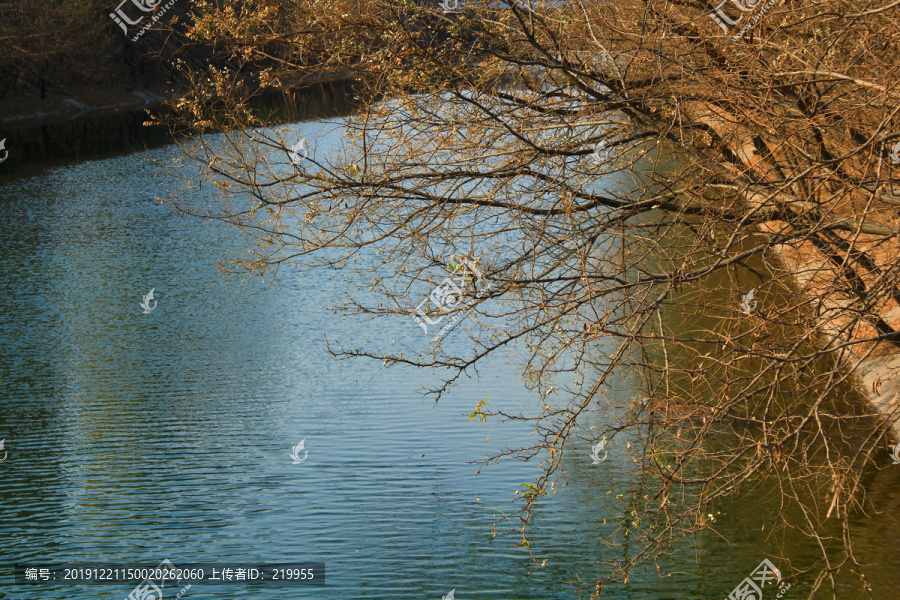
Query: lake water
<point x="134" y="438"/>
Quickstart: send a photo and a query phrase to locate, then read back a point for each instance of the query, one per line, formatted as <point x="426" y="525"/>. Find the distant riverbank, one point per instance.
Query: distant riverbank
<point x="108" y="120"/>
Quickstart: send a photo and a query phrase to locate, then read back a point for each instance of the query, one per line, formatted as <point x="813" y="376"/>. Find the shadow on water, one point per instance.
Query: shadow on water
<point x="752" y="524"/>
<point x="33" y="148"/>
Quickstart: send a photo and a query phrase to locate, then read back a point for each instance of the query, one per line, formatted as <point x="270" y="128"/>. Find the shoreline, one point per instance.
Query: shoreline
<point x="873" y="366"/>
<point x="95" y="123"/>
<point x="113" y="102"/>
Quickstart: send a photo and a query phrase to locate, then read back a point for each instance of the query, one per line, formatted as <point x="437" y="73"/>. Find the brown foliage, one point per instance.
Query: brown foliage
<point x="782" y="182"/>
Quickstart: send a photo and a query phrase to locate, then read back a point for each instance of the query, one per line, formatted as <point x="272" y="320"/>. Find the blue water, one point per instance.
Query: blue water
<point x="134" y="438"/>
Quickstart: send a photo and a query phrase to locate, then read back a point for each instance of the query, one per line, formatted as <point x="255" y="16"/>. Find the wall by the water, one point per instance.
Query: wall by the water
<point x="66" y="129"/>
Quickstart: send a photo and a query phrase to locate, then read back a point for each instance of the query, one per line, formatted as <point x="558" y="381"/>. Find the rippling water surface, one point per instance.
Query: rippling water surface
<point x="136" y="437"/>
